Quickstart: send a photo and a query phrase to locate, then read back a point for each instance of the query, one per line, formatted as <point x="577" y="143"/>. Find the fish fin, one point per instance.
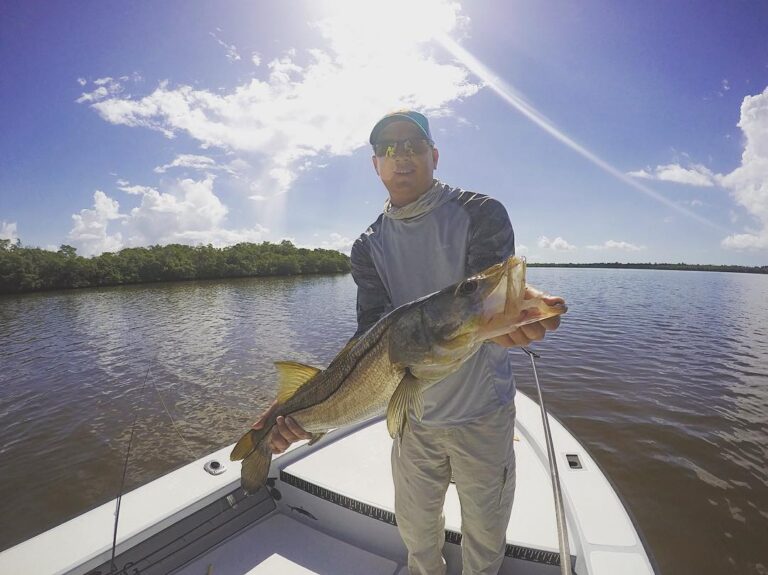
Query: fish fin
<point x="406" y="396"/>
<point x="316" y="437"/>
<point x="292" y="376"/>
<point x="248" y="443"/>
<point x="255" y="468"/>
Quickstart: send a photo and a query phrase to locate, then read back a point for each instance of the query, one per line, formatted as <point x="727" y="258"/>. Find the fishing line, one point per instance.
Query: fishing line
<point x="112" y="566"/>
<point x="562" y="529"/>
<point x="173" y="422"/>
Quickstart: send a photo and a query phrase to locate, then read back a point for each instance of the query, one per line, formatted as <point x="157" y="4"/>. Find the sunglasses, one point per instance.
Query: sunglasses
<point x="410" y="147"/>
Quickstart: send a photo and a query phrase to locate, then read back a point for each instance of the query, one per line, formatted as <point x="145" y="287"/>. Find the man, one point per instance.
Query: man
<point x="429" y="236"/>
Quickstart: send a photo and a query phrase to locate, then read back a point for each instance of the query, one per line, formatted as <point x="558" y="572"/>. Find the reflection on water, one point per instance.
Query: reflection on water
<point x="663" y="376"/>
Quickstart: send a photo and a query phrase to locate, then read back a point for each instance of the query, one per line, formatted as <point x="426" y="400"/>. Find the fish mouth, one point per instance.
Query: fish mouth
<point x="506" y="308"/>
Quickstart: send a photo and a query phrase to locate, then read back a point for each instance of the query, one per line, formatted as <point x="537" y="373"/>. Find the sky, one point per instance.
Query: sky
<point x="611" y="131"/>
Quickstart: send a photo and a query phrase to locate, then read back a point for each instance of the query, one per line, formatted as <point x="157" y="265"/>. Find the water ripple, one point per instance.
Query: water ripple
<point x="662" y="375"/>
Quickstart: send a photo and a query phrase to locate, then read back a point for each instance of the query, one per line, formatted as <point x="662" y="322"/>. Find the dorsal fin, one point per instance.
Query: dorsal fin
<point x="291" y="376"/>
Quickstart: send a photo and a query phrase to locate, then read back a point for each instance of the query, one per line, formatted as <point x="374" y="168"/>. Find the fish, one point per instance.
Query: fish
<point x="388" y="367"/>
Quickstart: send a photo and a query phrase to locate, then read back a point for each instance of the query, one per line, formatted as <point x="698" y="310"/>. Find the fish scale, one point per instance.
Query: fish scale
<point x="406" y="351"/>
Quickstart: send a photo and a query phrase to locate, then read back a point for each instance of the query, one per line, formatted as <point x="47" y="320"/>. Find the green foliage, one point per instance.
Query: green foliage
<point x="32" y="269"/>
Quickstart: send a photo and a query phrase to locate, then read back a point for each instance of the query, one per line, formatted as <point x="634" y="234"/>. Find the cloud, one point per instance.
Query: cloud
<point x="748" y="184"/>
<point x="187" y="212"/>
<point x="190" y="161"/>
<point x="232" y="54"/>
<point x="134" y="190"/>
<point x="695" y="175"/>
<point x="105" y="88"/>
<point x="337" y="242"/>
<point x="614" y="245"/>
<point x="558" y="244"/>
<point x="9" y="231"/>
<point x="309" y="105"/>
<point x="89" y="232"/>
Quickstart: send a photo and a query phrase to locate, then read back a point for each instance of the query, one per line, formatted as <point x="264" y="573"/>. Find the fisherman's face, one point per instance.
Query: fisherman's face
<point x="407" y="176"/>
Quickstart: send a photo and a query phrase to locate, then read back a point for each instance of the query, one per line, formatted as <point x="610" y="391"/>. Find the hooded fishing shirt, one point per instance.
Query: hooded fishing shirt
<point x="446" y="235"/>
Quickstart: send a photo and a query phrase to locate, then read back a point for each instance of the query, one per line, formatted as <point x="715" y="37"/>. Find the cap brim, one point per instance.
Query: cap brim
<point x="381" y="124"/>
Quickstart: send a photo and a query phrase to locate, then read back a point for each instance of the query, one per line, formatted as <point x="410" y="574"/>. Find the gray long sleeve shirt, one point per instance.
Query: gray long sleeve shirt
<point x="398" y="260"/>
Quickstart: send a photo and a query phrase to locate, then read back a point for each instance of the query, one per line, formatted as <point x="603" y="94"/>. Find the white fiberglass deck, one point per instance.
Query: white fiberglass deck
<point x="333" y="514"/>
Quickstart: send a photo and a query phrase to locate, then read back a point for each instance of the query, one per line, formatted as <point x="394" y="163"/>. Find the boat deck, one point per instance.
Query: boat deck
<point x="328" y="509"/>
<point x="286" y="546"/>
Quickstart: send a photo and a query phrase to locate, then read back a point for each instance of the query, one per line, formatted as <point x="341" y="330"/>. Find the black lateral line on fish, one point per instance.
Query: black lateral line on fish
<point x="344" y="374"/>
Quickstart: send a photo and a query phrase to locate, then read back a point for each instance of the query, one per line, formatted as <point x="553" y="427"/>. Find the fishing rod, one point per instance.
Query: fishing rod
<point x="562" y="529"/>
<point x="112" y="566"/>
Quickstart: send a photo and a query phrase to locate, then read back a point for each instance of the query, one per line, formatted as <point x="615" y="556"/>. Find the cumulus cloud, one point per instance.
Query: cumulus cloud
<point x="748" y="184"/>
<point x="337" y="242"/>
<point x="89" y="232"/>
<point x="558" y="244"/>
<point x="321" y="102"/>
<point x="187" y="212"/>
<point x="9" y="231"/>
<point x="616" y="245"/>
<point x="694" y="175"/>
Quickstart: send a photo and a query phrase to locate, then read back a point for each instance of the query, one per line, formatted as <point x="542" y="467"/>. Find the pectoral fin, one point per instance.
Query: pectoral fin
<point x="407" y="396"/>
<point x="292" y="375"/>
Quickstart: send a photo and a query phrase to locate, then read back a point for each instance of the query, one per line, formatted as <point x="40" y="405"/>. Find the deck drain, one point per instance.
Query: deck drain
<point x="215" y="467"/>
<point x="573" y="461"/>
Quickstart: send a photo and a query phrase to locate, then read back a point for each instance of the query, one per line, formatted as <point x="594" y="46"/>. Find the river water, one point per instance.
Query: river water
<point x="662" y="375"/>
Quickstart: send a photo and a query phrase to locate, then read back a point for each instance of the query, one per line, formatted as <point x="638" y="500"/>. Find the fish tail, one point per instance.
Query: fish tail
<point x="249" y="443"/>
<point x="256" y="467"/>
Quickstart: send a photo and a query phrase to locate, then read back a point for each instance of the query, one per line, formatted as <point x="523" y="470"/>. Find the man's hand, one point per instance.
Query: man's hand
<point x="532" y="331"/>
<point x="285" y="431"/>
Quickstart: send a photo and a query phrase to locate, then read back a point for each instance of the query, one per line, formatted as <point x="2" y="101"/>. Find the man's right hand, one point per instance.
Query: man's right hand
<point x="285" y="431"/>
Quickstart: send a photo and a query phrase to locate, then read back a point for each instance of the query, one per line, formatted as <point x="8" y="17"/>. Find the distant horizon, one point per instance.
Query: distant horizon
<point x="528" y="261"/>
<point x="635" y="133"/>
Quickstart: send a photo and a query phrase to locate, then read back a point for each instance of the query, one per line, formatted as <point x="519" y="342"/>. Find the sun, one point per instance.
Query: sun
<point x="390" y="29"/>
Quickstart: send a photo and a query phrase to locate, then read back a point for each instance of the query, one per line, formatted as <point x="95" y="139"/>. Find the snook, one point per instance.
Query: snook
<point x="410" y="348"/>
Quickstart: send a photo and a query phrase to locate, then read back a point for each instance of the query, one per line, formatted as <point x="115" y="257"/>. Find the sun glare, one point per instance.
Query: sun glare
<point x="386" y="30"/>
<point x="509" y="95"/>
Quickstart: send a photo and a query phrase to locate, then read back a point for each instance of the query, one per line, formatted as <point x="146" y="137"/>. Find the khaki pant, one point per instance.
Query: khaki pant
<point x="481" y="456"/>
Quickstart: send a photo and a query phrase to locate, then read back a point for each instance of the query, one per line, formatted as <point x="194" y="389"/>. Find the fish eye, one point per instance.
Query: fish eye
<point x="468" y="287"/>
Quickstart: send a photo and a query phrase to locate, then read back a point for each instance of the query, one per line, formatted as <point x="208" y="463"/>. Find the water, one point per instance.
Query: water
<point x="663" y="375"/>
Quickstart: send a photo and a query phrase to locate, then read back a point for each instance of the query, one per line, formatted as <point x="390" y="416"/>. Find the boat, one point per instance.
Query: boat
<point x="328" y="509"/>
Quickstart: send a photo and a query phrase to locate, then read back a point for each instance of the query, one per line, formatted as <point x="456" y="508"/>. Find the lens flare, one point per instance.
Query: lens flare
<point x="509" y="95"/>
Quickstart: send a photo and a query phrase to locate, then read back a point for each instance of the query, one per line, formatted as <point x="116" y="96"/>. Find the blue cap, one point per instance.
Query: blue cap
<point x="417" y="118"/>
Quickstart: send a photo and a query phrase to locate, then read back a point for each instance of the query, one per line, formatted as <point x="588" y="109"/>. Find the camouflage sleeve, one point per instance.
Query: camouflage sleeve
<point x="372" y="297"/>
<point x="491" y="238"/>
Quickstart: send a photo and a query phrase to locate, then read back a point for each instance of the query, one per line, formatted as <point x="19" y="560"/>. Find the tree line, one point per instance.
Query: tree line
<point x="24" y="269"/>
<point x="656" y="266"/>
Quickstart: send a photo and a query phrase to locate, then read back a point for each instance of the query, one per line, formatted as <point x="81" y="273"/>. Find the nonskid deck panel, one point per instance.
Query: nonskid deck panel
<point x="513" y="551"/>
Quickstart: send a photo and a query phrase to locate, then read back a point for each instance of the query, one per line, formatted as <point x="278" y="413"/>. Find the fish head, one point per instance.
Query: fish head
<point x="438" y="332"/>
<point x="442" y="328"/>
